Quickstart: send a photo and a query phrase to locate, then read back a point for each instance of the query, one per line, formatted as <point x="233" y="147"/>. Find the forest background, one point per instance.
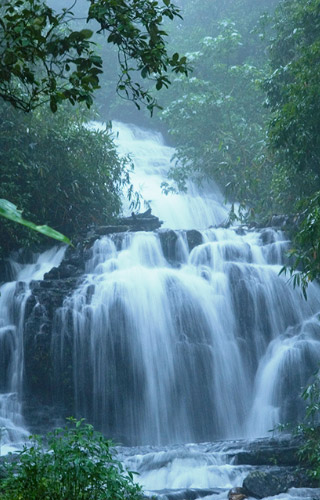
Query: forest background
<point x="247" y="116"/>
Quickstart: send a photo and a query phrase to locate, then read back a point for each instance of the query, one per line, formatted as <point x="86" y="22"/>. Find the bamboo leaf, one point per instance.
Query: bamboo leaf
<point x="11" y="212"/>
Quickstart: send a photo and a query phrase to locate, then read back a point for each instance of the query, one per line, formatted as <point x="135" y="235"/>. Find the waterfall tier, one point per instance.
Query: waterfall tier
<point x="185" y="334"/>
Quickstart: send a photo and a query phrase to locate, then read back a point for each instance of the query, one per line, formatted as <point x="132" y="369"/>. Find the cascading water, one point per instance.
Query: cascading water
<point x="218" y="347"/>
<point x="198" y="208"/>
<point x="13" y="299"/>
<point x="212" y="345"/>
<point x="176" y="336"/>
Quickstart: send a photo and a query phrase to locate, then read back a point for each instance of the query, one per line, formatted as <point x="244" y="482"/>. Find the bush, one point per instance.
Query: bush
<point x="309" y="452"/>
<point x="58" y="172"/>
<point x="77" y="463"/>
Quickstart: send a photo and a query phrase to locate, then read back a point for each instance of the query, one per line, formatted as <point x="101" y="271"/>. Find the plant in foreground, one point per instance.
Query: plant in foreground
<point x="309" y="430"/>
<point x="309" y="452"/>
<point x="74" y="463"/>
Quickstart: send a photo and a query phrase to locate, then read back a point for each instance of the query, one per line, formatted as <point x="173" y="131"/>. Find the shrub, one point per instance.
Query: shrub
<point x="76" y="463"/>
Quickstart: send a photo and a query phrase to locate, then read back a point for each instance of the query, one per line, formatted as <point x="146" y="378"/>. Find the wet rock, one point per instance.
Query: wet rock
<point x="184" y="494"/>
<point x="194" y="238"/>
<point x="285" y="221"/>
<point x="269" y="452"/>
<point x="65" y="270"/>
<point x="104" y="230"/>
<point x="136" y="222"/>
<point x="141" y="222"/>
<point x="237" y="494"/>
<point x="276" y="480"/>
<point x="168" y="239"/>
<point x="39" y="381"/>
<point x="267" y="236"/>
<point x="241" y="231"/>
<point x="5" y="271"/>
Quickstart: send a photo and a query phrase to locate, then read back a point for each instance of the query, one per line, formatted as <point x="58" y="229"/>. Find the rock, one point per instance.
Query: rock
<point x="237" y="494"/>
<point x="241" y="231"/>
<point x="144" y="224"/>
<point x="270" y="452"/>
<point x="276" y="480"/>
<point x="39" y="381"/>
<point x="184" y="494"/>
<point x="137" y="222"/>
<point x="267" y="236"/>
<point x="285" y="221"/>
<point x="65" y="270"/>
<point x="194" y="238"/>
<point x="104" y="230"/>
<point x="168" y="239"/>
<point x="5" y="271"/>
<point x="141" y="222"/>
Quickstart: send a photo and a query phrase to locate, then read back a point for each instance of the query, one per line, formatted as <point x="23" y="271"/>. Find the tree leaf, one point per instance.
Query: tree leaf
<point x="11" y="212"/>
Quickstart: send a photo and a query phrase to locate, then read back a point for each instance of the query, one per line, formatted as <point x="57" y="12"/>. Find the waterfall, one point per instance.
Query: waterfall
<point x="168" y="342"/>
<point x="198" y="208"/>
<point x="13" y="299"/>
<point x="174" y="343"/>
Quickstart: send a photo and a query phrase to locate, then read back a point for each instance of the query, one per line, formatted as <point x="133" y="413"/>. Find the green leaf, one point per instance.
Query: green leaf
<point x="86" y="33"/>
<point x="10" y="211"/>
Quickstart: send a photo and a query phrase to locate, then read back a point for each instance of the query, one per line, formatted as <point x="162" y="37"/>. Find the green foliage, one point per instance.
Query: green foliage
<point x="293" y="90"/>
<point x="76" y="463"/>
<point x="293" y="87"/>
<point x="10" y="211"/>
<point x="218" y="122"/>
<point x="249" y="118"/>
<point x="58" y="172"/>
<point x="136" y="29"/>
<point x="305" y="254"/>
<point x="44" y="59"/>
<point x="309" y="430"/>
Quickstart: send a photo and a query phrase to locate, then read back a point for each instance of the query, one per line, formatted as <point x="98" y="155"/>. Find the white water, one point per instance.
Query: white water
<point x="208" y="344"/>
<point x="13" y="299"/>
<point x="215" y="346"/>
<point x="196" y="209"/>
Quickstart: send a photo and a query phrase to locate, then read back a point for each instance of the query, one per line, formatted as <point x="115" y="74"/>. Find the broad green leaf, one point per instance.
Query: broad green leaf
<point x="10" y="211"/>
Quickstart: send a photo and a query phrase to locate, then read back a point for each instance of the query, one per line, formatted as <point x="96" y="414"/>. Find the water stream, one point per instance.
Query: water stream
<point x="175" y="343"/>
<point x="13" y="298"/>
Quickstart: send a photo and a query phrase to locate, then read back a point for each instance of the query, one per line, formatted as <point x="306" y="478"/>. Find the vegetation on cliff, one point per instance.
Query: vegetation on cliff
<point x="58" y="172"/>
<point x="249" y="115"/>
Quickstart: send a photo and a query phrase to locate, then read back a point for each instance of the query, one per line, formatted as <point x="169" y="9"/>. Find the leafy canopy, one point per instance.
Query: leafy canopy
<point x="43" y="59"/>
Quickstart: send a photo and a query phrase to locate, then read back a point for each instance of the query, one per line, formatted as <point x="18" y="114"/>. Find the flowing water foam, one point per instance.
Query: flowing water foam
<point x="198" y="208"/>
<point x="13" y="299"/>
<point x="210" y="343"/>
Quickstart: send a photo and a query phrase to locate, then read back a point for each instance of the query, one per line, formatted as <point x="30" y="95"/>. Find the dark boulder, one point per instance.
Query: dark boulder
<point x="184" y="494"/>
<point x="276" y="480"/>
<point x="168" y="240"/>
<point x="38" y="391"/>
<point x="194" y="238"/>
<point x="140" y="222"/>
<point x="269" y="452"/>
<point x="267" y="236"/>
